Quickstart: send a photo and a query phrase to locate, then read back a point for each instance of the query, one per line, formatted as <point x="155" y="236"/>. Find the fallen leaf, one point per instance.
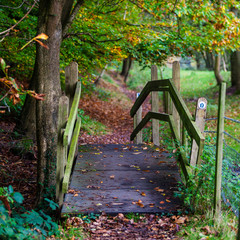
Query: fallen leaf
<point x="158" y="189"/>
<point x="143" y="194"/>
<point x="162" y="202"/>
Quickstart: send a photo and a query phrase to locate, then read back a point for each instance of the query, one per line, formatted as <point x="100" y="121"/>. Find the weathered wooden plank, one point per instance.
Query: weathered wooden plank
<point x="150" y="86"/>
<point x="71" y="78"/>
<point x="71" y="154"/>
<point x="155" y="108"/>
<point x="219" y="150"/>
<point x="72" y="116"/>
<point x="185" y="115"/>
<point x="108" y="182"/>
<point x="149" y="115"/>
<point x="200" y="116"/>
<point x="61" y="155"/>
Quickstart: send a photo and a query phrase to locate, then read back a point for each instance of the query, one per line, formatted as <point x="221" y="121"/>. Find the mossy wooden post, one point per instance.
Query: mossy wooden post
<point x="71" y="78"/>
<point x="137" y="120"/>
<point x="219" y="150"/>
<point x="176" y="80"/>
<point x="155" y="108"/>
<point x="61" y="150"/>
<point x="200" y="115"/>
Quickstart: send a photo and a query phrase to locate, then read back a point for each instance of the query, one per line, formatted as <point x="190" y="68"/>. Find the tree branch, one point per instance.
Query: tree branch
<point x="6" y="32"/>
<point x="2" y="6"/>
<point x="71" y="17"/>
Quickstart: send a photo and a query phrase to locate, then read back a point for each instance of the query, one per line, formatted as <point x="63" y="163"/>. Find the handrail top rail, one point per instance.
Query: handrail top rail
<point x="149" y="87"/>
<point x="72" y="115"/>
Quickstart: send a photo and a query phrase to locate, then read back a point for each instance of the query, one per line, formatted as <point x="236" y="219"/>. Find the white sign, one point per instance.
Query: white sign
<point x="202" y="105"/>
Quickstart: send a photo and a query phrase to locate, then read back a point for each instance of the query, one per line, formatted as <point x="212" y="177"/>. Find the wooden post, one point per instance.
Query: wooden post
<point x="219" y="151"/>
<point x="176" y="80"/>
<point x="61" y="150"/>
<point x="71" y="78"/>
<point x="200" y="115"/>
<point x="155" y="108"/>
<point x="137" y="119"/>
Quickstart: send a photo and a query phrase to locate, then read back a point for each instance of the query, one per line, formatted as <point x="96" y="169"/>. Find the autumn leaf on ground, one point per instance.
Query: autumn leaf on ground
<point x="139" y="203"/>
<point x="143" y="194"/>
<point x="158" y="189"/>
<point x="162" y="202"/>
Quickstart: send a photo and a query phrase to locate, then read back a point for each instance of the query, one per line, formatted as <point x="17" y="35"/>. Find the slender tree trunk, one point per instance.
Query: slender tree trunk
<point x="217" y="68"/>
<point x="198" y="60"/>
<point x="235" y="70"/>
<point x="127" y="64"/>
<point x="124" y="67"/>
<point x="208" y="58"/>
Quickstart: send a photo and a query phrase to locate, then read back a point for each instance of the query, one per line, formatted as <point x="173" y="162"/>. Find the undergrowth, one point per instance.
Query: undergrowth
<point x="92" y="126"/>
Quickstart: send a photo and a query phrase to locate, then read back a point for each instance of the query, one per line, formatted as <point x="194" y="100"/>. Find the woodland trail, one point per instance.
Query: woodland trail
<point x="115" y="115"/>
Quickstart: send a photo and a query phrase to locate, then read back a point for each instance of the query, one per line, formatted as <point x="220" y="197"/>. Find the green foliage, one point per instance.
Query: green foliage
<point x="91" y="126"/>
<point x="22" y="224"/>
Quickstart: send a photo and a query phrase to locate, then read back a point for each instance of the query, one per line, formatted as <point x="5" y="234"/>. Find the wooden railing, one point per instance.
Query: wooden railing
<point x="68" y="130"/>
<point x="177" y="115"/>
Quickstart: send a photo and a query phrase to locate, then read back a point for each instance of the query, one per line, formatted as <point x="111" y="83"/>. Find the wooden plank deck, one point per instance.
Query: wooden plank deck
<point x="122" y="179"/>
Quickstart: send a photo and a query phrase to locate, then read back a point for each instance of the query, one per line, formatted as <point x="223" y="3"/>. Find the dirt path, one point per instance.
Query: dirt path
<point x="113" y="114"/>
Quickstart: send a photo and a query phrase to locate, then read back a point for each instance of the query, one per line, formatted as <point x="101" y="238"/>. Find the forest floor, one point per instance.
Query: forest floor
<point x="19" y="163"/>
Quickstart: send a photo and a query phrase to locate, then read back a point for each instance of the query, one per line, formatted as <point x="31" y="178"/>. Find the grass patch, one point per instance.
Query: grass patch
<point x="91" y="126"/>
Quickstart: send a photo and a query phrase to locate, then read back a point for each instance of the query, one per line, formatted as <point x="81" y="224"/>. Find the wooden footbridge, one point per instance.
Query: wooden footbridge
<point x="128" y="178"/>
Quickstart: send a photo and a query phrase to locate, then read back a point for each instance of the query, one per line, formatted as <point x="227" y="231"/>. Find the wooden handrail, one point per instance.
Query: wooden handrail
<point x="146" y="119"/>
<point x="72" y="116"/>
<point x="185" y="116"/>
<point x="68" y="132"/>
<point x="149" y="87"/>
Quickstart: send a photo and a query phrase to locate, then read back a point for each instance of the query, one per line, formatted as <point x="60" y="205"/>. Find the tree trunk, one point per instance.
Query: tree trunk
<point x="208" y="58"/>
<point x="235" y="70"/>
<point x="124" y="67"/>
<point x="217" y="68"/>
<point x="127" y="63"/>
<point x="198" y="60"/>
<point x="53" y="17"/>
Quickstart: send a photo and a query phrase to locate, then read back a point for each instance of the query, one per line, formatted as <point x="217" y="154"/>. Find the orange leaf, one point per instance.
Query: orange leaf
<point x="42" y="44"/>
<point x="143" y="194"/>
<point x="42" y="36"/>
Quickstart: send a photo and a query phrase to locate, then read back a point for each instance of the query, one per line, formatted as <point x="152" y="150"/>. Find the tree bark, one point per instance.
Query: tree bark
<point x="55" y="16"/>
<point x="127" y="64"/>
<point x="208" y="58"/>
<point x="217" y="68"/>
<point x="235" y="70"/>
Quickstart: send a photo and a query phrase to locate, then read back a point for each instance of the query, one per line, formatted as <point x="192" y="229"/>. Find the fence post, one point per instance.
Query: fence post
<point x="61" y="151"/>
<point x="200" y="115"/>
<point x="71" y="78"/>
<point x="137" y="119"/>
<point x="176" y="80"/>
<point x="155" y="108"/>
<point x="219" y="150"/>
